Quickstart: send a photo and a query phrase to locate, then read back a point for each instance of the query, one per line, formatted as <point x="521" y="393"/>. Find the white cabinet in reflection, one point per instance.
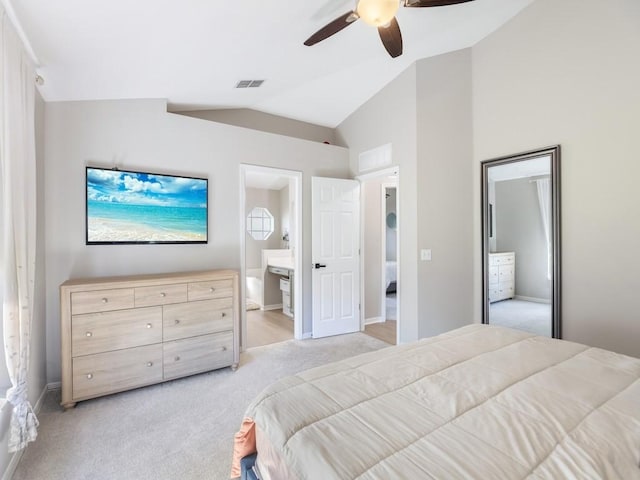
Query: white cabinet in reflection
<point x="502" y="269"/>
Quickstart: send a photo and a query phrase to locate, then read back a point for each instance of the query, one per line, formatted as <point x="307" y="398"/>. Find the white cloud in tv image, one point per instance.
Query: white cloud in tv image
<point x="137" y="207"/>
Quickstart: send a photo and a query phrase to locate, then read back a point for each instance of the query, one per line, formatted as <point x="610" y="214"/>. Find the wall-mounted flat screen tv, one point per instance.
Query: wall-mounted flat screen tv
<point x="127" y="207"/>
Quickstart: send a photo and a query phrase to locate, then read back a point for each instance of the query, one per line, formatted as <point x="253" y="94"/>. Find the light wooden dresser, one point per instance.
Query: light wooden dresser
<point x="119" y="333"/>
<point x="502" y="269"/>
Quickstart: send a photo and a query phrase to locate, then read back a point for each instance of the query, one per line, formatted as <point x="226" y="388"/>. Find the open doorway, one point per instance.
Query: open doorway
<point x="390" y="251"/>
<point x="270" y="208"/>
<point x="379" y="254"/>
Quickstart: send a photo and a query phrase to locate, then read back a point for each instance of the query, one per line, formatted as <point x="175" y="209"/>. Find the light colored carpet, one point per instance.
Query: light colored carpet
<point x="177" y="430"/>
<point x="527" y="316"/>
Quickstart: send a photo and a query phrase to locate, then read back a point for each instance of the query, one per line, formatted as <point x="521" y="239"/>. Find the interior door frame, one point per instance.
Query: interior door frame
<point x="296" y="246"/>
<point x="385" y="172"/>
<point x="383" y="229"/>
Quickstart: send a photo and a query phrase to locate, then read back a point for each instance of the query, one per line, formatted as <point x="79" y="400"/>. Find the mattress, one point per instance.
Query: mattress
<point x="477" y="402"/>
<point x="391" y="272"/>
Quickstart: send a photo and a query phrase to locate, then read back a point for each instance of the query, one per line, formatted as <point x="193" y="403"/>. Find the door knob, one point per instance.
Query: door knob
<point x="319" y="265"/>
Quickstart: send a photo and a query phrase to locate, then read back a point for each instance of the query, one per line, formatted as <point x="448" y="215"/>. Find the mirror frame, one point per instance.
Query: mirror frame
<point x="554" y="153"/>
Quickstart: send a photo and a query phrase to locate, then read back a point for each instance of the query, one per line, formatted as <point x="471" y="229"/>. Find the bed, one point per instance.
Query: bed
<point x="391" y="275"/>
<point x="479" y="402"/>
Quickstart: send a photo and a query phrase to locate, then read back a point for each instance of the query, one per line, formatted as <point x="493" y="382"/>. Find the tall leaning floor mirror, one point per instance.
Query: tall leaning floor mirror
<point x="521" y="241"/>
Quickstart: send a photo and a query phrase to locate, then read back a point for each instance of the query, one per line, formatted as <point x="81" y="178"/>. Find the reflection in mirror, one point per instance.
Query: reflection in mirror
<point x="521" y="231"/>
<point x="392" y="221"/>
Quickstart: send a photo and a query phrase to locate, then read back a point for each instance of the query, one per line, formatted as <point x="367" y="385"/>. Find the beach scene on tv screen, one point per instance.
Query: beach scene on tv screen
<point x="143" y="207"/>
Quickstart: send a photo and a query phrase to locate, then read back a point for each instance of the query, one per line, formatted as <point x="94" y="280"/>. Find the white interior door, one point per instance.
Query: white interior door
<point x="335" y="254"/>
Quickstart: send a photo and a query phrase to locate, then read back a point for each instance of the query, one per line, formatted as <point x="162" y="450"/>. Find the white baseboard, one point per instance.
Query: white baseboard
<point x="13" y="464"/>
<point x="306" y="336"/>
<point x="272" y="307"/>
<point x="369" y="321"/>
<point x="532" y="299"/>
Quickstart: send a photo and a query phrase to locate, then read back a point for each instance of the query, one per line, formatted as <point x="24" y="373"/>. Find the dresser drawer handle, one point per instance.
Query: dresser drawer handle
<point x="177" y="359"/>
<point x="224" y="314"/>
<point x="89" y="376"/>
<point x="89" y="334"/>
<point x="149" y="364"/>
<point x="212" y="289"/>
<point x="162" y="294"/>
<point x="177" y="321"/>
<point x="105" y="300"/>
<point x="149" y="325"/>
<point x="224" y="349"/>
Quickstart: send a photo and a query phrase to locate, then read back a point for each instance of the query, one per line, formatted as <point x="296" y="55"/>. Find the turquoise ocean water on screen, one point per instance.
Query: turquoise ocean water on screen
<point x="181" y="219"/>
<point x="127" y="206"/>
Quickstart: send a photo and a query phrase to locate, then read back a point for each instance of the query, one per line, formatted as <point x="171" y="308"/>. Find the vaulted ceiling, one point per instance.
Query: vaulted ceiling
<point x="194" y="52"/>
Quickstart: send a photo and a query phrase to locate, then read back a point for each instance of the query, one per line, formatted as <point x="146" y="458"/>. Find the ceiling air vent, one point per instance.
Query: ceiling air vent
<point x="249" y="83"/>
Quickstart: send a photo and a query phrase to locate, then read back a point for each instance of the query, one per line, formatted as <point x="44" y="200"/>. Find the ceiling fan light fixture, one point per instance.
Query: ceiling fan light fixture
<point x="377" y="13"/>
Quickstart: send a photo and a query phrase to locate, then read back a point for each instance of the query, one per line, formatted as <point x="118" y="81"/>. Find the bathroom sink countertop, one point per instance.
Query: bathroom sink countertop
<point x="282" y="262"/>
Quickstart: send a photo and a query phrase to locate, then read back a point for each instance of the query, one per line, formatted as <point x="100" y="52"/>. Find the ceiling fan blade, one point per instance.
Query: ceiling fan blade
<point x="432" y="3"/>
<point x="391" y="38"/>
<point x="331" y="28"/>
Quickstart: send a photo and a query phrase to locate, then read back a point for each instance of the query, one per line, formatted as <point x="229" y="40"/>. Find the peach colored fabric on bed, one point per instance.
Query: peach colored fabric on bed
<point x="478" y="402"/>
<point x="244" y="443"/>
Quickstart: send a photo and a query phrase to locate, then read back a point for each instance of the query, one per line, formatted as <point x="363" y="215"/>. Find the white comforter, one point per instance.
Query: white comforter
<point x="480" y="402"/>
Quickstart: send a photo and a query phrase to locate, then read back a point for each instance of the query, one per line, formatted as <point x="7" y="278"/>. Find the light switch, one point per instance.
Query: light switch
<point x="425" y="254"/>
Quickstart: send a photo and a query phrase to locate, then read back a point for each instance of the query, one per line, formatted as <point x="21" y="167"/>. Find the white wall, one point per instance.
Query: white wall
<point x="140" y="134"/>
<point x="567" y="72"/>
<point x="425" y="114"/>
<point x="372" y="253"/>
<point x="266" y="122"/>
<point x="285" y="217"/>
<point x="391" y="245"/>
<point x="445" y="202"/>
<point x="37" y="363"/>
<point x="390" y="117"/>
<point x="519" y="229"/>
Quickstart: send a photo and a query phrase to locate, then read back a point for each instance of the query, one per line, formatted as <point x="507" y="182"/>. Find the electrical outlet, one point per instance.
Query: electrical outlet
<point x="425" y="254"/>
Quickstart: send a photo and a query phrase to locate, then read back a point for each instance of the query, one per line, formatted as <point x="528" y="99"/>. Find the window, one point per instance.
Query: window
<point x="260" y="223"/>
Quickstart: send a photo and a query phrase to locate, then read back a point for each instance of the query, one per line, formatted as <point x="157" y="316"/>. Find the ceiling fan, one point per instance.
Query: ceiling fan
<point x="380" y="14"/>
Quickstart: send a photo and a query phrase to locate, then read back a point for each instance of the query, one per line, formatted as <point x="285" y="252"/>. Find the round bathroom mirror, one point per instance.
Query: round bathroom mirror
<point x="392" y="222"/>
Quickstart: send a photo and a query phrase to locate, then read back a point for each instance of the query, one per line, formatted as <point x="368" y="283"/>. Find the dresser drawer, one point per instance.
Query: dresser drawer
<point x="101" y="300"/>
<point x="506" y="290"/>
<point x="505" y="273"/>
<point x="197" y="354"/>
<point x="160" y="295"/>
<point x="493" y="275"/>
<point x="197" y="318"/>
<point x="502" y="259"/>
<point x="494" y="294"/>
<point x="111" y="372"/>
<point x="103" y="332"/>
<point x="211" y="289"/>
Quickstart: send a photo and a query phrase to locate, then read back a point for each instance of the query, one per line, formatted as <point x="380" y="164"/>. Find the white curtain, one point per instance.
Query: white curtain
<point x="17" y="158"/>
<point x="544" y="203"/>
